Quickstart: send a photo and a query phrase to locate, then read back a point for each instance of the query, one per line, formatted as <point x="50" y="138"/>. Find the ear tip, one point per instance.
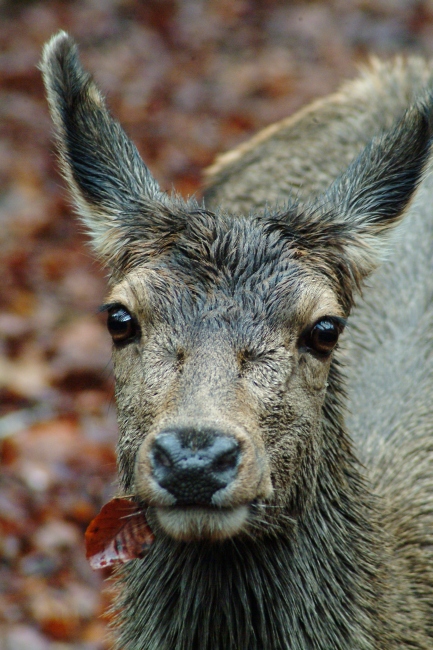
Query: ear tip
<point x="57" y="49"/>
<point x="60" y="61"/>
<point x="62" y="71"/>
<point x="427" y="112"/>
<point x="419" y="117"/>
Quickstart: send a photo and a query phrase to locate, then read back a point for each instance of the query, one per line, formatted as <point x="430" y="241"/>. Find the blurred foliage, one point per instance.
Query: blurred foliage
<point x="187" y="79"/>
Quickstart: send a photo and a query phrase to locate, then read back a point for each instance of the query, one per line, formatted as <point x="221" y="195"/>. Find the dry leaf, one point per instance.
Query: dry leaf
<point x="119" y="533"/>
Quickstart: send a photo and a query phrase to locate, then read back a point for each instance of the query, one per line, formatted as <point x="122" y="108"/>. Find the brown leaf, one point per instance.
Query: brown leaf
<point x="119" y="533"/>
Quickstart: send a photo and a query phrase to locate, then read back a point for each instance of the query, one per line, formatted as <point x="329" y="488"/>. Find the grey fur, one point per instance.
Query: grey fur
<point x="308" y="548"/>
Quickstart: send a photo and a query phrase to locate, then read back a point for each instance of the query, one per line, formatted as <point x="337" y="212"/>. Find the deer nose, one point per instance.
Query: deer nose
<point x="192" y="465"/>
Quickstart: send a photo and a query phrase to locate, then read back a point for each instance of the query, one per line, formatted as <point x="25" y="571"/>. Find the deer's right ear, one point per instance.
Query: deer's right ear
<point x="114" y="192"/>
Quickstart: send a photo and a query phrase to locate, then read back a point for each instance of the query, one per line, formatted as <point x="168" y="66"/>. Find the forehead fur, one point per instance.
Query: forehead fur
<point x="229" y="263"/>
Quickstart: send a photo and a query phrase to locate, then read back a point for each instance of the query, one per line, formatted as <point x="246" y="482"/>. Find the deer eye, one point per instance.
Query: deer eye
<point x="121" y="325"/>
<point x="323" y="336"/>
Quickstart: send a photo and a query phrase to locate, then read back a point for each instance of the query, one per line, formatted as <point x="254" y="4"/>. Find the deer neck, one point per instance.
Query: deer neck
<point x="309" y="588"/>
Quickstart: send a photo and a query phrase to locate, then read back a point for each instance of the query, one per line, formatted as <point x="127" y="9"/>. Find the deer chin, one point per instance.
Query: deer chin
<point x="198" y="523"/>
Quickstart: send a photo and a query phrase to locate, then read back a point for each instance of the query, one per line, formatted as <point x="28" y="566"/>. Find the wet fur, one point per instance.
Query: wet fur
<point x="336" y="554"/>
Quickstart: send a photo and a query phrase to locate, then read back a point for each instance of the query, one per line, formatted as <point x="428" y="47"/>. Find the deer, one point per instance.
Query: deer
<point x="272" y="355"/>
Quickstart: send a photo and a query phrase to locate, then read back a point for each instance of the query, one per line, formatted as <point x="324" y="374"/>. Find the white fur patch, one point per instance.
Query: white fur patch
<point x="189" y="524"/>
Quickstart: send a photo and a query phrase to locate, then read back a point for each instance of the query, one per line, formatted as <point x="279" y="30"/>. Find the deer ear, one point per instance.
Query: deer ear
<point x="346" y="230"/>
<point x="113" y="190"/>
<point x="362" y="206"/>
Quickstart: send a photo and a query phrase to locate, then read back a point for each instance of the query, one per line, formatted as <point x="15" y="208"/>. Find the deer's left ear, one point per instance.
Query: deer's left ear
<point x="372" y="195"/>
<point x="116" y="196"/>
<point x="349" y="224"/>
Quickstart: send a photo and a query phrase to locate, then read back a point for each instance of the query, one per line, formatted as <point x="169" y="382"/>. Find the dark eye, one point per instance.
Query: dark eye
<point x="121" y="325"/>
<point x="323" y="336"/>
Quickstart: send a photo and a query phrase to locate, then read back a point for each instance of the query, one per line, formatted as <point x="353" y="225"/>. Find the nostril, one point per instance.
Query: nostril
<point x="194" y="464"/>
<point x="227" y="460"/>
<point x="160" y="457"/>
<point x="166" y="452"/>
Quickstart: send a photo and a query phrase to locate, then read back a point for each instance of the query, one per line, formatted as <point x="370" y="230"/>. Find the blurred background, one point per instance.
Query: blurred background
<point x="187" y="79"/>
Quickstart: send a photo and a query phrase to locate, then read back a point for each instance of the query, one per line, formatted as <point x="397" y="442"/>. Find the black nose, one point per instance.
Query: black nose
<point x="193" y="464"/>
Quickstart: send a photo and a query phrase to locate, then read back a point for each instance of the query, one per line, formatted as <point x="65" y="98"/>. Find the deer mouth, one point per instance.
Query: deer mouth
<point x="192" y="523"/>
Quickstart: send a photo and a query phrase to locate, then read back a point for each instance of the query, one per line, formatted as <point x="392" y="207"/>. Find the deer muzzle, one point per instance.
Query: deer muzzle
<point x="201" y="480"/>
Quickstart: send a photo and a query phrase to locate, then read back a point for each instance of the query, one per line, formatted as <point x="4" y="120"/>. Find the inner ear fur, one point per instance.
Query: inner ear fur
<point x="347" y="228"/>
<point x="115" y="194"/>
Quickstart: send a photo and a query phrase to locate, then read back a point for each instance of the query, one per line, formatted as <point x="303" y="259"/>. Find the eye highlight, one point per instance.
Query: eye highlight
<point x="121" y="324"/>
<point x="323" y="336"/>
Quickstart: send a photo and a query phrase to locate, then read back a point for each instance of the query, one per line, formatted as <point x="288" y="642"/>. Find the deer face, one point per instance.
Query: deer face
<point x="221" y="364"/>
<point x="223" y="327"/>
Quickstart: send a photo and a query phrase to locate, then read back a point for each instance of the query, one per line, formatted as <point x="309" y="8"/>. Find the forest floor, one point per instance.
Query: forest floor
<point x="188" y="80"/>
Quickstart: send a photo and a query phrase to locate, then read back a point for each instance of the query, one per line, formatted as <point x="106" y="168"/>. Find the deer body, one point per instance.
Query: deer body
<point x="270" y="533"/>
